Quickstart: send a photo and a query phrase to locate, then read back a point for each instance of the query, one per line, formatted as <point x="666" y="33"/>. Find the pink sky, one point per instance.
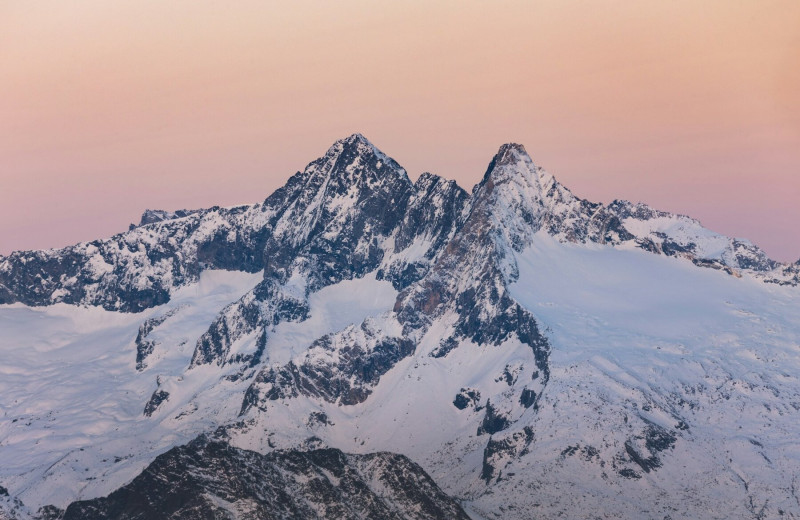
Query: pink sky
<point x="108" y="108"/>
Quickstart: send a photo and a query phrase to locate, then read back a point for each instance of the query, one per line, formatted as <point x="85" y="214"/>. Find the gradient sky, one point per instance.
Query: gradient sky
<point x="108" y="108"/>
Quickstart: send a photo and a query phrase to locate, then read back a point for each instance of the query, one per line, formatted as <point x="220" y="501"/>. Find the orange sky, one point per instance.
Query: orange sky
<point x="108" y="108"/>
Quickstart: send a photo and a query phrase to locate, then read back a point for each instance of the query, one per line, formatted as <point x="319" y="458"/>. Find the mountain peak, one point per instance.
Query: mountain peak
<point x="512" y="166"/>
<point x="355" y="157"/>
<point x="355" y="138"/>
<point x="521" y="198"/>
<point x="512" y="162"/>
<point x="510" y="153"/>
<point x="354" y="145"/>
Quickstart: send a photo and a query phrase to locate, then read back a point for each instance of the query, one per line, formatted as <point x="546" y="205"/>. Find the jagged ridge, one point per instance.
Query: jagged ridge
<point x="453" y="257"/>
<point x="211" y="479"/>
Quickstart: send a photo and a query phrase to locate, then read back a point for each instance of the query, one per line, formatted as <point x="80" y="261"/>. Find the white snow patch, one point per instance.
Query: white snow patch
<point x="71" y="400"/>
<point x="333" y="308"/>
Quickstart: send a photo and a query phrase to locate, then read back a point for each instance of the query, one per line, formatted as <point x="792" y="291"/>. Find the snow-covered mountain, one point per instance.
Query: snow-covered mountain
<point x="535" y="353"/>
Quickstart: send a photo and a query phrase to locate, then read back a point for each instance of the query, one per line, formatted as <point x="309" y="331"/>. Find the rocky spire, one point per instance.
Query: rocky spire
<point x="355" y="159"/>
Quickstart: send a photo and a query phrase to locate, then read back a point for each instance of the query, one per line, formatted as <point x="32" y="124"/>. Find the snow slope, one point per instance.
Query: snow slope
<point x="332" y="309"/>
<point x="640" y="340"/>
<point x="72" y="402"/>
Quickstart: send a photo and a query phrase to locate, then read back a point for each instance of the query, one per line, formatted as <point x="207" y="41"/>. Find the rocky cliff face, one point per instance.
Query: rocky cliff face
<point x="463" y="284"/>
<point x="141" y="268"/>
<point x="351" y="212"/>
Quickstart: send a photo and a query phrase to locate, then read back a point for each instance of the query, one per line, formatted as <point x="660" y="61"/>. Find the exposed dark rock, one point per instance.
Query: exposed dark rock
<point x="672" y="248"/>
<point x="264" y="306"/>
<point x="212" y="480"/>
<point x="49" y="513"/>
<point x="468" y="278"/>
<point x="444" y="348"/>
<point x="510" y="374"/>
<point x="331" y="220"/>
<point x="656" y="439"/>
<point x="151" y="216"/>
<point x="349" y="214"/>
<point x="144" y="346"/>
<point x="11" y="507"/>
<point x="569" y="451"/>
<point x="158" y="397"/>
<point x="434" y="213"/>
<point x="629" y="474"/>
<point x="467" y="397"/>
<point x="493" y="420"/>
<point x="527" y="398"/>
<point x="588" y="453"/>
<point x="332" y="225"/>
<point x="500" y="452"/>
<point x="318" y="419"/>
<point x="137" y="269"/>
<point x="361" y="357"/>
<point x="644" y="462"/>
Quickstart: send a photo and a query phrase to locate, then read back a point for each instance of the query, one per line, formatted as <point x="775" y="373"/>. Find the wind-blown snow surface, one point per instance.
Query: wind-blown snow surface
<point x="536" y="353"/>
<point x="72" y="400"/>
<point x="639" y="341"/>
<point x="332" y="309"/>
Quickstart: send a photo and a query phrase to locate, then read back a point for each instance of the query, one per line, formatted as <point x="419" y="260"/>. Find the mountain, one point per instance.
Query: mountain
<point x="535" y="353"/>
<point x="210" y="479"/>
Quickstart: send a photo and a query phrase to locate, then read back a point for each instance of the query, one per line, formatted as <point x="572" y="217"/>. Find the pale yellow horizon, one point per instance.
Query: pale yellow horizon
<point x="109" y="108"/>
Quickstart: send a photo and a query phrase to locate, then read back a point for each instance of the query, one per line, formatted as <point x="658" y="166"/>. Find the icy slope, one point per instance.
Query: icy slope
<point x="673" y="390"/>
<point x="69" y="383"/>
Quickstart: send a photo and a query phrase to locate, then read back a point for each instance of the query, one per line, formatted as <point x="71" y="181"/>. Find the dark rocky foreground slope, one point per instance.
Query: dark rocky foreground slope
<point x="209" y="479"/>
